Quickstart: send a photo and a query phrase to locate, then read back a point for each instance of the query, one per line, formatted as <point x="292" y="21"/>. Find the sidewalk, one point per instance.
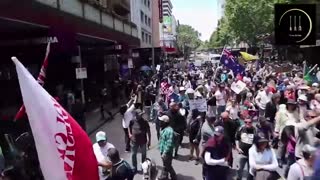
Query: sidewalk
<point x="93" y="117"/>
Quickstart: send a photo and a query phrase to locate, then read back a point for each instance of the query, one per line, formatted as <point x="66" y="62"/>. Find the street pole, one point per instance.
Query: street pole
<point x="152" y="38"/>
<point x="81" y="80"/>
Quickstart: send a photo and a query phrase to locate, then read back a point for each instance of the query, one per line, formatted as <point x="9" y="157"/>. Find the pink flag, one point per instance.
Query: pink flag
<point x="64" y="149"/>
<point x="42" y="76"/>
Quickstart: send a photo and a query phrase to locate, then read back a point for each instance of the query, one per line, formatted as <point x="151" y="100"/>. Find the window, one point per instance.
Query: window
<point x="150" y="39"/>
<point x="146" y="19"/>
<point x="141" y="16"/>
<point x="142" y="36"/>
<point x="149" y="4"/>
<point x="146" y="38"/>
<point x="149" y="22"/>
<point x="145" y="2"/>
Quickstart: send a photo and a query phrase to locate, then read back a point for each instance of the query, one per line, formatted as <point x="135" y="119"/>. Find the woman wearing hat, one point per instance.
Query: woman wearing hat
<point x="262" y="159"/>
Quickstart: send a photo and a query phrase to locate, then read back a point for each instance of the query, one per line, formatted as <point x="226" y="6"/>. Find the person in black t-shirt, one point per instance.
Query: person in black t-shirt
<point x="121" y="170"/>
<point x="244" y="140"/>
<point x="140" y="136"/>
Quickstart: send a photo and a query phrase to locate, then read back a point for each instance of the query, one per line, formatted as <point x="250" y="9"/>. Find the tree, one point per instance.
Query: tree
<point x="249" y="18"/>
<point x="188" y="36"/>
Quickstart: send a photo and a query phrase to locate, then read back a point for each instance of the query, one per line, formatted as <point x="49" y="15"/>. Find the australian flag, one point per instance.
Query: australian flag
<point x="231" y="62"/>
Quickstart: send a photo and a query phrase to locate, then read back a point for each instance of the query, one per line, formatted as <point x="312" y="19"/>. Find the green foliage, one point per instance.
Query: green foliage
<point x="188" y="36"/>
<point x="244" y="20"/>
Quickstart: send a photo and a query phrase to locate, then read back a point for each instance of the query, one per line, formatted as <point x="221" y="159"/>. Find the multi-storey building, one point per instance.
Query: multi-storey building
<point x="168" y="27"/>
<point x="141" y="15"/>
<point x="92" y="34"/>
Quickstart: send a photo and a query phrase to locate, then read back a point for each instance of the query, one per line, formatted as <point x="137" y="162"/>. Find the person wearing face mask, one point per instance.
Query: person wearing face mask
<point x="166" y="147"/>
<point x="303" y="168"/>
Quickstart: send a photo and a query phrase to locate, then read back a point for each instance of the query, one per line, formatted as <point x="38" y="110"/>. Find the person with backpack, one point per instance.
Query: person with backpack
<point x="244" y="140"/>
<point x="303" y="168"/>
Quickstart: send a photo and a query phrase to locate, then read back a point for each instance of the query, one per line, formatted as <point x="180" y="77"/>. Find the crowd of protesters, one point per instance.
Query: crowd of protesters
<point x="271" y="124"/>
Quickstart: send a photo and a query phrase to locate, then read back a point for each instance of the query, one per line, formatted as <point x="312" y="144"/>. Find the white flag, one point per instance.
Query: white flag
<point x="64" y="149"/>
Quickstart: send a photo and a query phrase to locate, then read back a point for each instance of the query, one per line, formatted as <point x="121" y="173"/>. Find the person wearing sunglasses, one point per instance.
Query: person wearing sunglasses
<point x="306" y="132"/>
<point x="244" y="141"/>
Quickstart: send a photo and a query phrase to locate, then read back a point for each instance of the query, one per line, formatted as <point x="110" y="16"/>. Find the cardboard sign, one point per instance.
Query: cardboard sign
<point x="237" y="87"/>
<point x="81" y="73"/>
<point x="200" y="104"/>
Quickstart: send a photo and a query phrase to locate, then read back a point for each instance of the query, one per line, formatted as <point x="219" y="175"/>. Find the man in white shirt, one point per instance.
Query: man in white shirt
<point x="262" y="98"/>
<point x="221" y="97"/>
<point x="100" y="149"/>
<point x="128" y="116"/>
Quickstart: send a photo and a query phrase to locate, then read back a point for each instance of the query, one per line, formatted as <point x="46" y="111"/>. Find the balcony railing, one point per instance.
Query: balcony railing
<point x="97" y="11"/>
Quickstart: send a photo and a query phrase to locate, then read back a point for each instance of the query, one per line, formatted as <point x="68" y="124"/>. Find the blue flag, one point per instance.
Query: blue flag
<point x="228" y="60"/>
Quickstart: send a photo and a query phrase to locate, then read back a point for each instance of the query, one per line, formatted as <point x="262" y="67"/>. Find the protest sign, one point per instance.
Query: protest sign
<point x="200" y="104"/>
<point x="237" y="87"/>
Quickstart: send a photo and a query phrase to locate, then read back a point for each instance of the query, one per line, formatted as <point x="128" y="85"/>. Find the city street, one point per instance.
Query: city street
<point x="186" y="170"/>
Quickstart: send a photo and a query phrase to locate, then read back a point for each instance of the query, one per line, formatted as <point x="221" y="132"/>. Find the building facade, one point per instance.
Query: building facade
<point x="141" y="15"/>
<point x="168" y="28"/>
<point x="93" y="34"/>
<point x="156" y="23"/>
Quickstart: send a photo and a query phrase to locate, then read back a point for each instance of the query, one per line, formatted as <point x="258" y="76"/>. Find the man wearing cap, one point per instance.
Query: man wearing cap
<point x="216" y="155"/>
<point x="182" y="97"/>
<point x="100" y="149"/>
<point x="166" y="147"/>
<point x="303" y="168"/>
<point x="139" y="133"/>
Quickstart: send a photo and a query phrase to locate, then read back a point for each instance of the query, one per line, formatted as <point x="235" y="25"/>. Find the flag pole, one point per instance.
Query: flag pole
<point x="312" y="68"/>
<point x="216" y="70"/>
<point x="41" y="79"/>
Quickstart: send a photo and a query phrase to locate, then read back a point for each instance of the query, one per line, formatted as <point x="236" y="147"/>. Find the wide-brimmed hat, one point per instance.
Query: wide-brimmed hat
<point x="261" y="138"/>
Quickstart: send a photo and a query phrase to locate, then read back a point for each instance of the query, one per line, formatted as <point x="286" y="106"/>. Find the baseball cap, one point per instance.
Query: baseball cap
<point x="101" y="136"/>
<point x="164" y="118"/>
<point x="218" y="131"/>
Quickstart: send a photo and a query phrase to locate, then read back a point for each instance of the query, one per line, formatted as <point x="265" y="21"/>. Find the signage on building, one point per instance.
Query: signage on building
<point x="167" y="22"/>
<point x="41" y="40"/>
<point x="130" y="63"/>
<point x="81" y="73"/>
<point x="160" y="11"/>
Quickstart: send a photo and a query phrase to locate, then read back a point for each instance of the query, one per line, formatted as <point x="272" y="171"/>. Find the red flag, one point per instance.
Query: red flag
<point x="41" y="78"/>
<point x="64" y="150"/>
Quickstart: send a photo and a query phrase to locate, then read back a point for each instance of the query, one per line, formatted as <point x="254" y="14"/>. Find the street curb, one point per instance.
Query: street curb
<point x="102" y="124"/>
